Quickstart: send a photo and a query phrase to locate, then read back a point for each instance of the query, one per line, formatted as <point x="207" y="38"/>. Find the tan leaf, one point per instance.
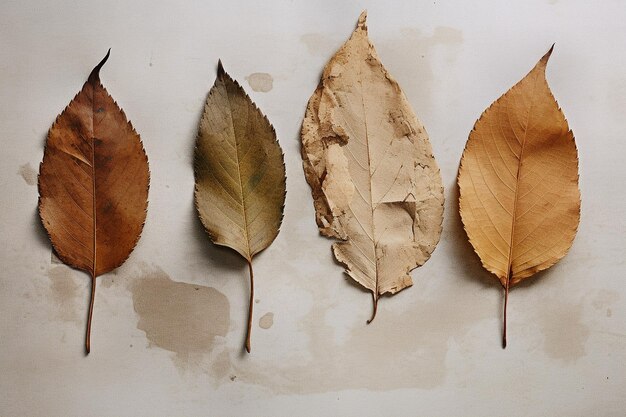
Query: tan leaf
<point x="240" y="174"/>
<point x="93" y="184"/>
<point x="375" y="183"/>
<point x="518" y="181"/>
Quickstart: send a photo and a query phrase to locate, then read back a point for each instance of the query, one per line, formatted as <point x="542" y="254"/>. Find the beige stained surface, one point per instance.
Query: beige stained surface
<point x="432" y="349"/>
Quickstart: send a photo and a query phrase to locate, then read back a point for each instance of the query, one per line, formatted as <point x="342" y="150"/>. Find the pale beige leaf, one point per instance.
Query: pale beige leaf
<point x="240" y="173"/>
<point x="375" y="183"/>
<point x="518" y="181"/>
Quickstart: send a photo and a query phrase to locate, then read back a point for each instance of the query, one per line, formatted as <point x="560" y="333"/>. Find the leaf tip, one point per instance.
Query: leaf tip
<point x="362" y="23"/>
<point x="544" y="59"/>
<point x="95" y="73"/>
<point x="220" y="68"/>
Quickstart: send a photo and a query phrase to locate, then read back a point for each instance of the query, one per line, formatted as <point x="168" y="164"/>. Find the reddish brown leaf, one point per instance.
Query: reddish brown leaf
<point x="93" y="184"/>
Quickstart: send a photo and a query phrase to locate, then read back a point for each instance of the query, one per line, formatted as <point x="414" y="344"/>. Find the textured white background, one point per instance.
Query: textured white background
<point x="434" y="349"/>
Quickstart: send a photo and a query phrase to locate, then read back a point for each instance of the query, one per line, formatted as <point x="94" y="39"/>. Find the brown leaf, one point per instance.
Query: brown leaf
<point x="518" y="181"/>
<point x="240" y="174"/>
<point x="375" y="183"/>
<point x="93" y="184"/>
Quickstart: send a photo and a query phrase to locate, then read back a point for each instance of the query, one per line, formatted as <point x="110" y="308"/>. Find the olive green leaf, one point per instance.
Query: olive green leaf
<point x="240" y="174"/>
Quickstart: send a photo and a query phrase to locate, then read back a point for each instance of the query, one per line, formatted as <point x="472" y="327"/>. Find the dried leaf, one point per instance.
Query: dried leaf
<point x="93" y="184"/>
<point x="375" y="183"/>
<point x="518" y="181"/>
<point x="240" y="174"/>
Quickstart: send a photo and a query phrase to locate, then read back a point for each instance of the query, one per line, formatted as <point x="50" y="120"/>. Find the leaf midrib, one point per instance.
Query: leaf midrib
<point x="517" y="182"/>
<point x="93" y="176"/>
<point x="243" y="200"/>
<point x="369" y="181"/>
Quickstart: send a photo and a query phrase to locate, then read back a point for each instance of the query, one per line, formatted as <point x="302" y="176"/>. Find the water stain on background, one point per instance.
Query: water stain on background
<point x="266" y="321"/>
<point x="564" y="332"/>
<point x="28" y="173"/>
<point x="260" y="82"/>
<point x="221" y="366"/>
<point x="604" y="299"/>
<point x="319" y="44"/>
<point x="65" y="292"/>
<point x="400" y="349"/>
<point x="182" y="318"/>
<point x="412" y="49"/>
<point x="563" y="326"/>
<point x="417" y="51"/>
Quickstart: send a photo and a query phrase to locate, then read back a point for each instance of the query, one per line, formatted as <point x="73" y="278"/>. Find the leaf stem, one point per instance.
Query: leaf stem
<point x="506" y="300"/>
<point x="90" y="314"/>
<point x="375" y="299"/>
<point x="250" y="307"/>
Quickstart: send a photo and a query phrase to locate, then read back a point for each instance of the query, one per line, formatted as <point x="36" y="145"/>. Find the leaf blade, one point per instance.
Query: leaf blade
<point x="91" y="146"/>
<point x="93" y="183"/>
<point x="545" y="166"/>
<point x="239" y="171"/>
<point x="518" y="180"/>
<point x="235" y="181"/>
<point x="371" y="170"/>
